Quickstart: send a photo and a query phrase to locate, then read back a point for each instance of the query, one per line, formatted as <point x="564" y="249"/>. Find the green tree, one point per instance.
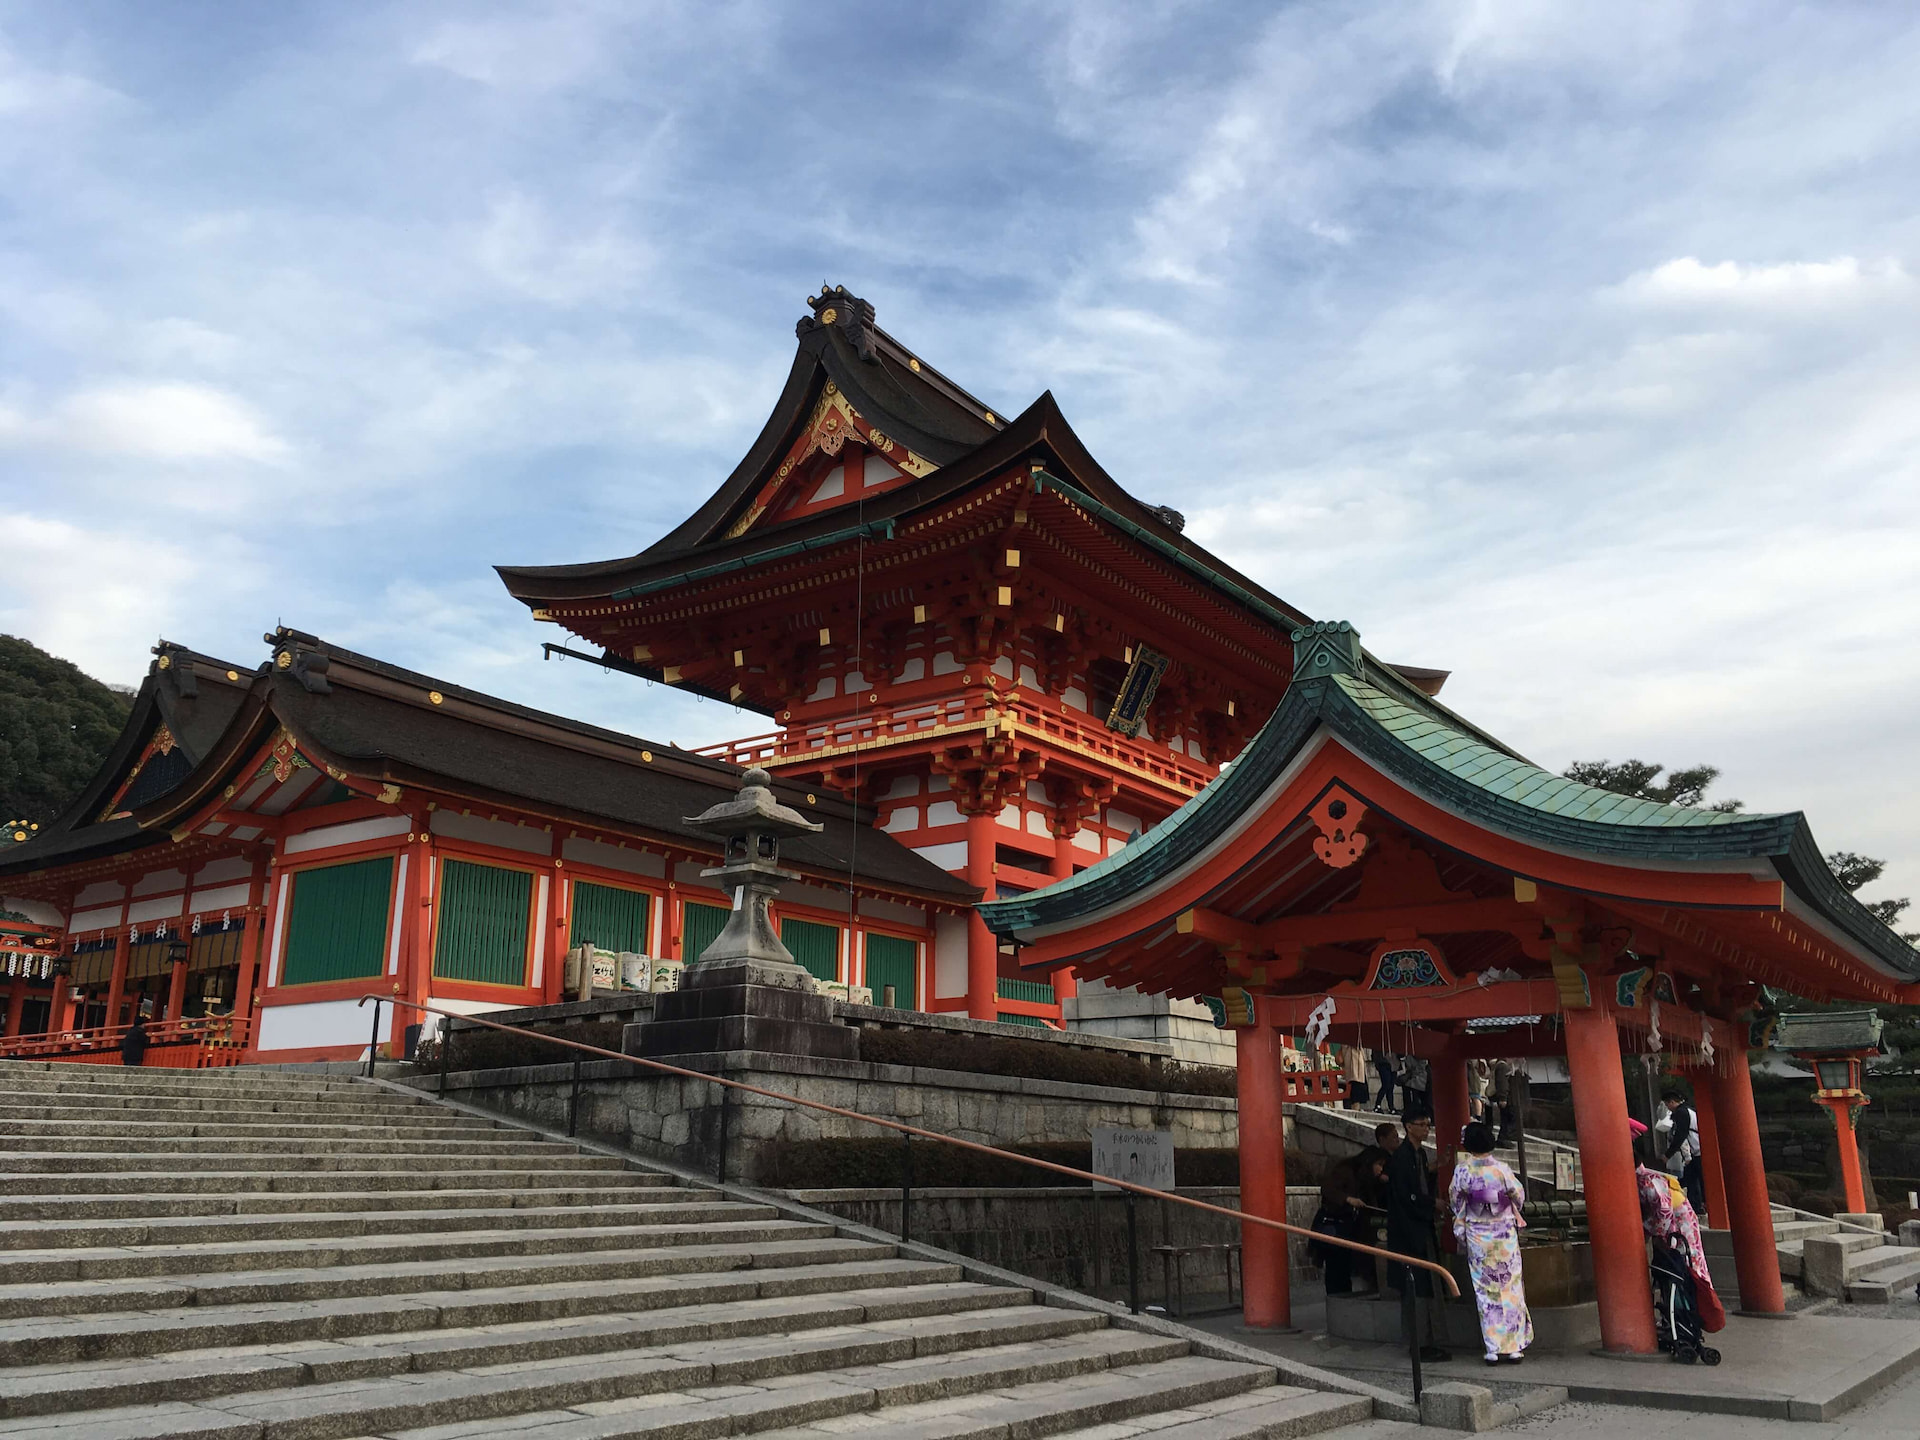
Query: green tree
<point x="1637" y="778"/>
<point x="56" y="725"/>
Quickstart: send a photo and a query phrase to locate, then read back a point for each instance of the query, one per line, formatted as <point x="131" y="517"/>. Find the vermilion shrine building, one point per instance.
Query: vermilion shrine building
<point x="955" y="617"/>
<point x="1373" y="858"/>
<point x="265" y="846"/>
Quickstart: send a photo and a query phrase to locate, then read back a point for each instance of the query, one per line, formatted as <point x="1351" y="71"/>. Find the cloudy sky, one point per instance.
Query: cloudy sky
<point x="1573" y="348"/>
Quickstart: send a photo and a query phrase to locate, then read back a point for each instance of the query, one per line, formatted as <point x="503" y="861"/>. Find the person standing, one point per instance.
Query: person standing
<point x="1486" y="1200"/>
<point x="1501" y="1093"/>
<point x="1410" y="1219"/>
<point x="1479" y="1086"/>
<point x="1416" y="1079"/>
<point x="1353" y="1069"/>
<point x="1683" y="1148"/>
<point x="133" y="1044"/>
<point x="1388" y="1069"/>
<point x="1344" y="1199"/>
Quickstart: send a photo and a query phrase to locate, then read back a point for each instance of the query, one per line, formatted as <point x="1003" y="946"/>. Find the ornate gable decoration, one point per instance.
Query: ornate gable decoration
<point x="833" y="422"/>
<point x="1408" y="965"/>
<point x="1327" y="647"/>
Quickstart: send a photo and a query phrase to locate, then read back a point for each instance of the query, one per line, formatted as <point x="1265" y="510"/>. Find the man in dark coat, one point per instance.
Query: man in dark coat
<point x="133" y="1044"/>
<point x="1411" y="1214"/>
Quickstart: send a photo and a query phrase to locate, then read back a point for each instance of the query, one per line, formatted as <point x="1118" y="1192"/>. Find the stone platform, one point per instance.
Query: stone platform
<point x="1806" y="1368"/>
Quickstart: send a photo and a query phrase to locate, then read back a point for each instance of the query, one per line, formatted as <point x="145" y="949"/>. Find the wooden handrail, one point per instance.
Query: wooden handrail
<point x="1453" y="1288"/>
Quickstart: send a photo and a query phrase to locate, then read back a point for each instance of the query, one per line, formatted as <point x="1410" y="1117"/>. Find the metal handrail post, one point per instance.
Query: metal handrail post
<point x="573" y="1101"/>
<point x="1407" y="1316"/>
<point x="1133" y="1254"/>
<point x="446" y="1048"/>
<point x="906" y="1189"/>
<point x="720" y="1162"/>
<point x="373" y="1045"/>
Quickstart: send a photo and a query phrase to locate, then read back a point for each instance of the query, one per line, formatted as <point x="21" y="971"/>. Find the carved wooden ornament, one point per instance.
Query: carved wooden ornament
<point x="1339" y="843"/>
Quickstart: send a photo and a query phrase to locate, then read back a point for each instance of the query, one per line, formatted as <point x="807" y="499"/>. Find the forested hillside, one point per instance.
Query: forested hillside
<point x="56" y="725"/>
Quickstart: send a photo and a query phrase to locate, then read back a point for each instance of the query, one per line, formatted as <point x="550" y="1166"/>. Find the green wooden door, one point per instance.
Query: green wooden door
<point x="610" y="918"/>
<point x="484" y="915"/>
<point x="700" y="926"/>
<point x="892" y="961"/>
<point x="815" y="946"/>
<point x="337" y="922"/>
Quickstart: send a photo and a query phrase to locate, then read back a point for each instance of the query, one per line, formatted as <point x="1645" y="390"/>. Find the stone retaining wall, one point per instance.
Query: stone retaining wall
<point x="681" y="1119"/>
<point x="1069" y="1236"/>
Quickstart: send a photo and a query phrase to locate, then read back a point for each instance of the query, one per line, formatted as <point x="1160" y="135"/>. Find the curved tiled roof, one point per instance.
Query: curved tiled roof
<point x="1420" y="746"/>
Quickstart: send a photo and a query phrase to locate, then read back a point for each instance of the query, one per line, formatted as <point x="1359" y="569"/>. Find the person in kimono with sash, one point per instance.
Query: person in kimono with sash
<point x="1486" y="1200"/>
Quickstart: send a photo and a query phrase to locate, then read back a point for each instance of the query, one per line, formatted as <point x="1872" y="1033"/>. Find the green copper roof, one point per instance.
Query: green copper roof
<point x="1469" y="759"/>
<point x="1422" y="747"/>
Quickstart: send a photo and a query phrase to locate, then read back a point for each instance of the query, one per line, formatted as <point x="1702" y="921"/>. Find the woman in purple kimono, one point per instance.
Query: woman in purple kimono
<point x="1486" y="1199"/>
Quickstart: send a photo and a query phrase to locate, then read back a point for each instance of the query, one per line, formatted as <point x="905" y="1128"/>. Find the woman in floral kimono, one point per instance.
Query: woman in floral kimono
<point x="1485" y="1199"/>
<point x="1666" y="1214"/>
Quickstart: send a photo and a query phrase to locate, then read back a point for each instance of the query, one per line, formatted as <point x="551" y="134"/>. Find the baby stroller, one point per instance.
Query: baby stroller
<point x="1676" y="1305"/>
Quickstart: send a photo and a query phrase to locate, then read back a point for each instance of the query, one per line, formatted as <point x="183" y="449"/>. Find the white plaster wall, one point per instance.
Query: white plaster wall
<point x="952" y="856"/>
<point x="228" y="867"/>
<point x="100" y="893"/>
<point x="160" y="881"/>
<point x="324" y="1022"/>
<point x="223" y="897"/>
<point x="490" y="832"/>
<point x="613" y="857"/>
<point x="354" y="832"/>
<point x="949" y="956"/>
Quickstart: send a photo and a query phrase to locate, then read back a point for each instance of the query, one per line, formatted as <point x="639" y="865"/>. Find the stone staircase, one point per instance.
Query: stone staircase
<point x="256" y="1254"/>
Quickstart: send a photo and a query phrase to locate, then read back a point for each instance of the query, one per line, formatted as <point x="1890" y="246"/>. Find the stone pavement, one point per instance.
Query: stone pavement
<point x="1815" y="1367"/>
<point x="252" y="1254"/>
<point x="1893" y="1414"/>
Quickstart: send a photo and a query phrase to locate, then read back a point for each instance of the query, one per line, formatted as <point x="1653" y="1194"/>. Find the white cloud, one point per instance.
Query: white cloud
<point x="1729" y="282"/>
<point x="168" y="422"/>
<point x="99" y="595"/>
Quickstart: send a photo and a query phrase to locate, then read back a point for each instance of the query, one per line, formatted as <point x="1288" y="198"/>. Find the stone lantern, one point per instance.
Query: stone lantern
<point x="745" y="991"/>
<point x="1836" y="1043"/>
<point x="751" y="825"/>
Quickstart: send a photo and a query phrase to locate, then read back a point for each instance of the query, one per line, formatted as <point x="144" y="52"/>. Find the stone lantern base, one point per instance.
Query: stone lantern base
<point x="743" y="1005"/>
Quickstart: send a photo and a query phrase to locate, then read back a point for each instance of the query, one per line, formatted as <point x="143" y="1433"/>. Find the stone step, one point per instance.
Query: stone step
<point x="282" y="1181"/>
<point x="658" y="1206"/>
<point x="31" y="1152"/>
<point x="1888" y="1283"/>
<point x="907" y="1401"/>
<point x="76" y="1339"/>
<point x="65" y="1205"/>
<point x="46" y="1267"/>
<point x="1869" y="1262"/>
<point x="715" y="1389"/>
<point x="1785" y="1230"/>
<point x="334" y="1282"/>
<point x="417" y="1159"/>
<point x="236" y="1107"/>
<point x="854" y="1320"/>
<point x="1271" y="1412"/>
<point x="133" y="1129"/>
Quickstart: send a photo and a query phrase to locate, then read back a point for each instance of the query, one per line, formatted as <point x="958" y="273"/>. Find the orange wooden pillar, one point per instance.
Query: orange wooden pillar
<point x="1065" y="984"/>
<point x="1451" y="1107"/>
<point x="1613" y="1195"/>
<point x="1749" y="1212"/>
<point x="117" y="982"/>
<point x="60" y="1008"/>
<point x="1265" y="1296"/>
<point x="177" y="991"/>
<point x="983" y="949"/>
<point x="1711" y="1176"/>
<point x="246" y="983"/>
<point x="16" y="1004"/>
<point x="1845" y="1141"/>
